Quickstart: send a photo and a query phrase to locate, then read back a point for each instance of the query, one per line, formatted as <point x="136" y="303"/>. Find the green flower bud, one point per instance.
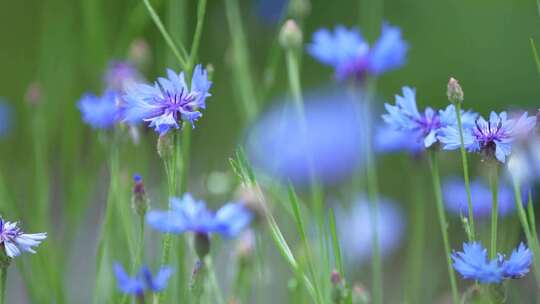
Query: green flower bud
<point x="290" y="36"/>
<point x="454" y="91"/>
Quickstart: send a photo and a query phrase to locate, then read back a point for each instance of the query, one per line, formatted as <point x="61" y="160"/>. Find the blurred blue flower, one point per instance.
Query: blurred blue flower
<point x="120" y="74"/>
<point x="15" y="241"/>
<point x="188" y="215"/>
<point x="270" y="11"/>
<point x="389" y="140"/>
<point x="355" y="228"/>
<point x="329" y="146"/>
<point x="6" y="117"/>
<point x="169" y="102"/>
<point x="493" y="137"/>
<point x="422" y="127"/>
<point x="351" y="55"/>
<point x="143" y="281"/>
<point x="519" y="263"/>
<point x="455" y="198"/>
<point x="100" y="112"/>
<point x="473" y="264"/>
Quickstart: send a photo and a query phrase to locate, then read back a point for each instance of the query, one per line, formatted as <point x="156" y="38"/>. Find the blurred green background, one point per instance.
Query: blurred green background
<point x="64" y="46"/>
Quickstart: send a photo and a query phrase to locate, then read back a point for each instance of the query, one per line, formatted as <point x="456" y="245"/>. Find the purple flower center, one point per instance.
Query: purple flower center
<point x="178" y="102"/>
<point x="8" y="234"/>
<point x="428" y="124"/>
<point x="488" y="134"/>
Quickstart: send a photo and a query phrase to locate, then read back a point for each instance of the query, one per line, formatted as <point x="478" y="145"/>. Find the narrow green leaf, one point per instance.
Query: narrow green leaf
<point x="335" y="241"/>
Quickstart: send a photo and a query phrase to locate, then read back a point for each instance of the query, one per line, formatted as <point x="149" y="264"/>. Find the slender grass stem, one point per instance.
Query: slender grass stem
<point x="218" y="295"/>
<point x="3" y="280"/>
<point x="201" y="10"/>
<point x="181" y="55"/>
<point x="433" y="162"/>
<point x="494" y="185"/>
<point x="466" y="178"/>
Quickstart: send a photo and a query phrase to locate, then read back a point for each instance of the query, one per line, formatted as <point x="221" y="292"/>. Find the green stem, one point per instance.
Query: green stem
<point x="3" y="280"/>
<point x="465" y="165"/>
<point x="218" y="296"/>
<point x="442" y="221"/>
<point x="494" y="184"/>
<point x="140" y="249"/>
<point x="180" y="57"/>
<point x="201" y="10"/>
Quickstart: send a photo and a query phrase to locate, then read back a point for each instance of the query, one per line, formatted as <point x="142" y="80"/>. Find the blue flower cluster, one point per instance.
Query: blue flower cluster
<point x="473" y="264"/>
<point x="143" y="282"/>
<point x="188" y="215"/>
<point x="348" y="52"/>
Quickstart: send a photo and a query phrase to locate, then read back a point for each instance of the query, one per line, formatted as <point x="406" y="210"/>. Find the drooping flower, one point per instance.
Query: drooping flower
<point x="169" y="103"/>
<point x="473" y="264"/>
<point x="100" y="112"/>
<point x="328" y="147"/>
<point x="351" y="55"/>
<point x="15" y="241"/>
<point x="493" y="137"/>
<point x="355" y="231"/>
<point x="455" y="198"/>
<point x="143" y="282"/>
<point x="119" y="75"/>
<point x="188" y="215"/>
<point x="422" y="127"/>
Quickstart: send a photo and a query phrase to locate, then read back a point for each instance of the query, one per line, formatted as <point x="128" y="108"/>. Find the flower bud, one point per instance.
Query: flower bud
<point x="202" y="244"/>
<point x="339" y="290"/>
<point x="165" y="146"/>
<point x="33" y="95"/>
<point x="139" y="52"/>
<point x="250" y="198"/>
<point x="360" y="294"/>
<point x="290" y="36"/>
<point x="454" y="91"/>
<point x="139" y="200"/>
<point x="246" y="245"/>
<point x="299" y="9"/>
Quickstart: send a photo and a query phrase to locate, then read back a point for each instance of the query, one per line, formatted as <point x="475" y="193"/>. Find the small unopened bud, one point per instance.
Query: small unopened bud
<point x="165" y="146"/>
<point x="299" y="9"/>
<point x="339" y="290"/>
<point x="246" y="245"/>
<point x="139" y="200"/>
<point x="33" y="94"/>
<point x="139" y="52"/>
<point x="335" y="277"/>
<point x="290" y="35"/>
<point x="202" y="244"/>
<point x="454" y="91"/>
<point x="360" y="294"/>
<point x="250" y="197"/>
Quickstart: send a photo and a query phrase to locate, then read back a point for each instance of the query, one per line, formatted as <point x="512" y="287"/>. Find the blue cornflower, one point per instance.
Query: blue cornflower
<point x="188" y="215"/>
<point x="423" y="127"/>
<point x="473" y="264"/>
<point x="493" y="137"/>
<point x="169" y="102"/>
<point x="15" y="241"/>
<point x="355" y="229"/>
<point x="519" y="263"/>
<point x="389" y="140"/>
<point x="351" y="55"/>
<point x="328" y="147"/>
<point x="455" y="198"/>
<point x="120" y="75"/>
<point x="144" y="280"/>
<point x="100" y="112"/>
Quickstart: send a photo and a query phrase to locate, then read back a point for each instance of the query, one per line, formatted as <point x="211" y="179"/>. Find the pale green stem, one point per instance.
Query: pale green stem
<point x="494" y="185"/>
<point x="3" y="280"/>
<point x="466" y="178"/>
<point x="218" y="296"/>
<point x="443" y="223"/>
<point x="201" y="10"/>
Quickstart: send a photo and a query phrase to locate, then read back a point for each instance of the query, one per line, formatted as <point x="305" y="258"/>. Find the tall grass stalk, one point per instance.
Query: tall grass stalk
<point x="434" y="166"/>
<point x="494" y="185"/>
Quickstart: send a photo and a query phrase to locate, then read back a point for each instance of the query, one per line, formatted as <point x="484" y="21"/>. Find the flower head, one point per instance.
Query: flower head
<point x="473" y="264"/>
<point x="351" y="55"/>
<point x="455" y="198"/>
<point x="143" y="281"/>
<point x="100" y="112"/>
<point x="355" y="228"/>
<point x="188" y="215"/>
<point x="493" y="137"/>
<point x="120" y="75"/>
<point x="15" y="241"/>
<point x="423" y="127"/>
<point x="169" y="102"/>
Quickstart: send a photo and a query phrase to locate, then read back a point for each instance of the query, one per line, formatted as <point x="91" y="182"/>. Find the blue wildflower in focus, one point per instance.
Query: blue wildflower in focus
<point x="143" y="282"/>
<point x="355" y="229"/>
<point x="15" y="241"/>
<point x="473" y="264"/>
<point x="169" y="102"/>
<point x="519" y="263"/>
<point x="330" y="146"/>
<point x="100" y="112"/>
<point x="120" y="75"/>
<point x="188" y="215"/>
<point x="6" y="117"/>
<point x="352" y="57"/>
<point x="493" y="137"/>
<point x="423" y="127"/>
<point x="455" y="198"/>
